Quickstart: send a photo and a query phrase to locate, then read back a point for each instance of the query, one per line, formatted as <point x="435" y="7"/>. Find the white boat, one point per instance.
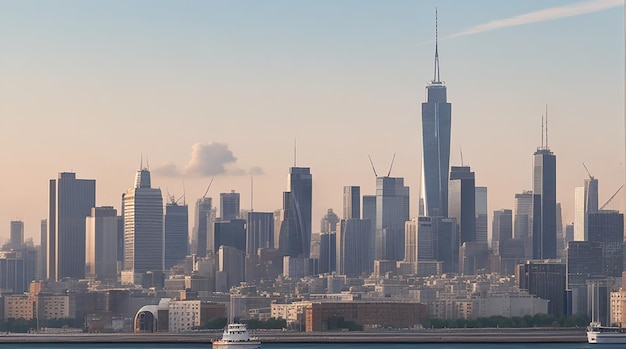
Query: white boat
<point x="598" y="334"/>
<point x="236" y="336"/>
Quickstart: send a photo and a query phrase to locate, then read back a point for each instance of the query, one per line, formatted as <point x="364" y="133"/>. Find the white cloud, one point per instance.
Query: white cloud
<point x="548" y="14"/>
<point x="209" y="159"/>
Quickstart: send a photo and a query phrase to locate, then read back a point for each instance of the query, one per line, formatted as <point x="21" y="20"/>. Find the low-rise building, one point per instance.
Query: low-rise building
<point x="319" y="315"/>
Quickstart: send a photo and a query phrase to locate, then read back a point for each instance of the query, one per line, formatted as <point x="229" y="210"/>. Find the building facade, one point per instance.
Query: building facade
<point x="71" y="200"/>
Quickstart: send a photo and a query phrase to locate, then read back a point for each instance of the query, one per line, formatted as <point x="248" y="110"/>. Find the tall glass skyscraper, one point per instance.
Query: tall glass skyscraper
<point x="544" y="204"/>
<point x="176" y="233"/>
<point x="71" y="201"/>
<point x="392" y="211"/>
<point x="203" y="227"/>
<point x="436" y="124"/>
<point x="143" y="227"/>
<point x="295" y="231"/>
<point x="585" y="202"/>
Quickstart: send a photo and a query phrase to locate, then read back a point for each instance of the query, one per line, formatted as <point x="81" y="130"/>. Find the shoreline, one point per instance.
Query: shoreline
<point x="493" y="335"/>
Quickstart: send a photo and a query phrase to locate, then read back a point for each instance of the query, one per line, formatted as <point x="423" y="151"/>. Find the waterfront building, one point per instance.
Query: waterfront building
<point x="584" y="260"/>
<point x="143" y="229"/>
<point x="101" y="243"/>
<point x="319" y="315"/>
<point x="18" y="306"/>
<point x="71" y="200"/>
<point x="544" y="279"/>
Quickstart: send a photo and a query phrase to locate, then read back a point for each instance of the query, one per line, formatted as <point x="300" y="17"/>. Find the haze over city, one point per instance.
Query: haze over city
<point x="221" y="90"/>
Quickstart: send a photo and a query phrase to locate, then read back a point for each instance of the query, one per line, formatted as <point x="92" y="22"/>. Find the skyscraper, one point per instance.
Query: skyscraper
<point x="462" y="202"/>
<point x="143" y="228"/>
<point x="523" y="220"/>
<point x="544" y="204"/>
<point x="436" y="124"/>
<point x="502" y="228"/>
<point x="351" y="202"/>
<point x="229" y="205"/>
<point x="295" y="231"/>
<point x="176" y="233"/>
<point x="17" y="234"/>
<point x="203" y="226"/>
<point x="392" y="210"/>
<point x="482" y="214"/>
<point x="259" y="231"/>
<point x="328" y="223"/>
<point x="607" y="228"/>
<point x="585" y="202"/>
<point x="101" y="243"/>
<point x="71" y="201"/>
<point x="353" y="247"/>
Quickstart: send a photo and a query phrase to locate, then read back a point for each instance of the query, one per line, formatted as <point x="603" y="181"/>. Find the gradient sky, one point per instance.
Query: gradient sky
<point x="208" y="89"/>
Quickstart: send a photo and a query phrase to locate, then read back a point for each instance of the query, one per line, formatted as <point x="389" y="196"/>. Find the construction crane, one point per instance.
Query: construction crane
<point x="373" y="168"/>
<point x="611" y="198"/>
<point x="589" y="173"/>
<point x="391" y="166"/>
<point x="207" y="189"/>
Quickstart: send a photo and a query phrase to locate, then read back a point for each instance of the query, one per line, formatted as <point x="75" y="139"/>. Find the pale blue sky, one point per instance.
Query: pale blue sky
<point x="89" y="86"/>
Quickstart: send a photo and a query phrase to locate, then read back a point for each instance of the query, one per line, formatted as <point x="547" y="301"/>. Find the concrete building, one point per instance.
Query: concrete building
<point x="18" y="306"/>
<point x="71" y="200"/>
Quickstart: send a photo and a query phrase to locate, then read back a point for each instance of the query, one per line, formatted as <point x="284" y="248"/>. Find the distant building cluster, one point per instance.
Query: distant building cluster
<point x="141" y="267"/>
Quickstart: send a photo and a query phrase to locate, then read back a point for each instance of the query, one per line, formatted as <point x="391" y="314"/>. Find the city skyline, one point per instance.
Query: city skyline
<point x="235" y="84"/>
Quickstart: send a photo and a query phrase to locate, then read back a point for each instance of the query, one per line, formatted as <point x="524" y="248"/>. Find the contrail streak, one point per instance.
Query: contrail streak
<point x="542" y="16"/>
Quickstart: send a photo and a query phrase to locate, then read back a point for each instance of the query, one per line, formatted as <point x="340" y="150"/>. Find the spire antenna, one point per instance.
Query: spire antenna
<point x="547" y="126"/>
<point x="436" y="77"/>
<point x="541" y="131"/>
